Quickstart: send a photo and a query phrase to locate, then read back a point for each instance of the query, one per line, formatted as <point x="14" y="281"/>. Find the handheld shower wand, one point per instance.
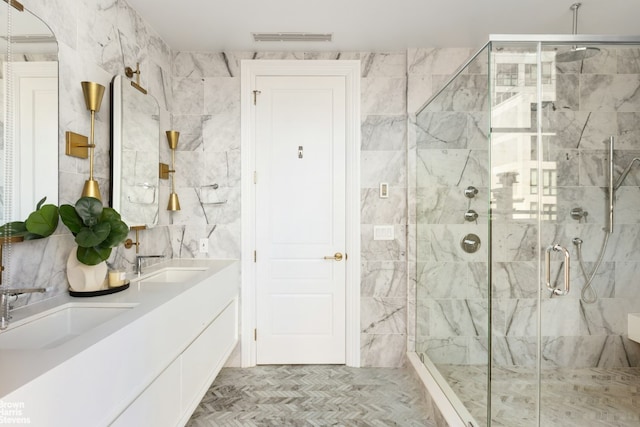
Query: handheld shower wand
<point x="588" y="294"/>
<point x="612" y="195"/>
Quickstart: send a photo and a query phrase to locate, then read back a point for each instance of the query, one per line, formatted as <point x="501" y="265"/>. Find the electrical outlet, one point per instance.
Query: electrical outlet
<point x="204" y="246"/>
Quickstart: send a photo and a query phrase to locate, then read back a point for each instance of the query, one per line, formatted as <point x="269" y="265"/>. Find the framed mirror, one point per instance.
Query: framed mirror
<point x="135" y="153"/>
<point x="29" y="88"/>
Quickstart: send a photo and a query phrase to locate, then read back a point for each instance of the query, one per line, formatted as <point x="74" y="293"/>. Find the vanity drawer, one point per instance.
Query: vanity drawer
<point x="202" y="361"/>
<point x="156" y="406"/>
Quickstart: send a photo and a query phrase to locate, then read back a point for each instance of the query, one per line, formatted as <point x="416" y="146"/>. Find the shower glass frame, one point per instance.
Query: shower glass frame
<point x="539" y="46"/>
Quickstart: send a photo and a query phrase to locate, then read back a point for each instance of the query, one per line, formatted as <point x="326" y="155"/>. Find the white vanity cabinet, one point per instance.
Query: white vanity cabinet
<point x="157" y="405"/>
<point x="175" y="393"/>
<point x="149" y="366"/>
<point x="201" y="362"/>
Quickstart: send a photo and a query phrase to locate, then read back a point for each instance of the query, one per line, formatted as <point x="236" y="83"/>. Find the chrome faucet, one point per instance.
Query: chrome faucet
<point x="139" y="259"/>
<point x="5" y="296"/>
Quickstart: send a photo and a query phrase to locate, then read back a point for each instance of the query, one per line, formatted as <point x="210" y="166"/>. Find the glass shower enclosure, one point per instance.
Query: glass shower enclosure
<point x="527" y="231"/>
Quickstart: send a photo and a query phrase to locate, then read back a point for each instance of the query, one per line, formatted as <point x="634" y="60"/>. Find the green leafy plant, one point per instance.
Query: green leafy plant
<point x="41" y="223"/>
<point x="97" y="229"/>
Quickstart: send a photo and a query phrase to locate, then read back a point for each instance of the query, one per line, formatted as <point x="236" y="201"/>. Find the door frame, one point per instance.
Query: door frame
<point x="350" y="70"/>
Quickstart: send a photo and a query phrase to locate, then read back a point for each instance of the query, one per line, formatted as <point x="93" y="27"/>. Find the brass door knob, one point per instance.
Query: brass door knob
<point x="337" y="257"/>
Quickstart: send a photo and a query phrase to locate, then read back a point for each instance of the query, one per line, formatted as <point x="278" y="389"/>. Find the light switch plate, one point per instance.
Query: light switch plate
<point x="383" y="232"/>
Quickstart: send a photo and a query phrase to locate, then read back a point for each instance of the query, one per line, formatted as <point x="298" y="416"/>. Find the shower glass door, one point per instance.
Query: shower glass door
<point x="588" y="367"/>
<point x="452" y="239"/>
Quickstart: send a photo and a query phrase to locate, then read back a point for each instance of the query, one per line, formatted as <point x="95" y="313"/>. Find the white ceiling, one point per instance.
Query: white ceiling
<point x="376" y="25"/>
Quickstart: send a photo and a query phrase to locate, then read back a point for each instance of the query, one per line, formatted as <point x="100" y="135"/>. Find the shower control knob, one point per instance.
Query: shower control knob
<point x="470" y="243"/>
<point x="578" y="214"/>
<point x="470" y="215"/>
<point x="470" y="192"/>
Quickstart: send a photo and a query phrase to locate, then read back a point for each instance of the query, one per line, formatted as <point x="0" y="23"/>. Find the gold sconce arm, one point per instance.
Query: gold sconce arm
<point x="130" y="243"/>
<point x="128" y="71"/>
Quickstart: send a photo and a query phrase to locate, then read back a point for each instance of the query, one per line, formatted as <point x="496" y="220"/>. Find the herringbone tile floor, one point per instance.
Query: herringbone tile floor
<point x="312" y="395"/>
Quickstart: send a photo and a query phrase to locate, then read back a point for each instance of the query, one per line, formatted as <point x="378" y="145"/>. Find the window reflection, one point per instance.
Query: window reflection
<point x="517" y="190"/>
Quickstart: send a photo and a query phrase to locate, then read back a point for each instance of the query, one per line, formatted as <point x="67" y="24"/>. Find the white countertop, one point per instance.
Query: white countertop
<point x="18" y="367"/>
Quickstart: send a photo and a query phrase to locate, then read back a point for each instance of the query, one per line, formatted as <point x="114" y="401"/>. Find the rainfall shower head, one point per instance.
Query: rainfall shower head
<point x="577" y="53"/>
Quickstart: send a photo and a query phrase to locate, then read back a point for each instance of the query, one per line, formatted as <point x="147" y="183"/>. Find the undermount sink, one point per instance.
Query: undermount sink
<point x="53" y="328"/>
<point x="172" y="275"/>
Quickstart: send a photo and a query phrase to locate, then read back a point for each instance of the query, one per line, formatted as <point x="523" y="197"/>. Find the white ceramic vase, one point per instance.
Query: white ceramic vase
<point x="85" y="278"/>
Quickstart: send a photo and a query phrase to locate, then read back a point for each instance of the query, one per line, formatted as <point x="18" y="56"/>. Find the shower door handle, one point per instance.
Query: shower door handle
<point x="567" y="263"/>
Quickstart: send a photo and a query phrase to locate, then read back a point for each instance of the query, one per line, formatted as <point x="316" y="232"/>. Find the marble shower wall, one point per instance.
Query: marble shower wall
<point x="595" y="99"/>
<point x="584" y="104"/>
<point x="427" y="71"/>
<point x="207" y="112"/>
<point x="96" y="40"/>
<point x="451" y="153"/>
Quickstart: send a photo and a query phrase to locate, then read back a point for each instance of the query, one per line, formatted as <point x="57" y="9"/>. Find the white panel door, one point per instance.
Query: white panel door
<point x="300" y="219"/>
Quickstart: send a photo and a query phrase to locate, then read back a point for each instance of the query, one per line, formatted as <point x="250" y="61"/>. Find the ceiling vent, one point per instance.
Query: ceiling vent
<point x="292" y="37"/>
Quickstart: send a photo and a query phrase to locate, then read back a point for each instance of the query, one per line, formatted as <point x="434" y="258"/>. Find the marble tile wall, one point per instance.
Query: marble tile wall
<point x="451" y="154"/>
<point x="427" y="71"/>
<point x="202" y="91"/>
<point x="96" y="40"/>
<point x="589" y="102"/>
<point x="599" y="98"/>
<point x="207" y="110"/>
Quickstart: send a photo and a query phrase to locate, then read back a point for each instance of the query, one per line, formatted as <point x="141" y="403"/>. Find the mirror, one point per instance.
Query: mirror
<point x="29" y="88"/>
<point x="135" y="153"/>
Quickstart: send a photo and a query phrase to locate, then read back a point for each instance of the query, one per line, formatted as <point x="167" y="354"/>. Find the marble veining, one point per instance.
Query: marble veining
<point x="384" y="132"/>
<point x="384" y="279"/>
<point x="383" y="96"/>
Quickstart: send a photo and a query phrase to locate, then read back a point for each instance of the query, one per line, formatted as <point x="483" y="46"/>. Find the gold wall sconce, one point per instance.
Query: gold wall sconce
<point x="93" y="93"/>
<point x="130" y="243"/>
<point x="172" y="137"/>
<point x="128" y="71"/>
<point x="76" y="144"/>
